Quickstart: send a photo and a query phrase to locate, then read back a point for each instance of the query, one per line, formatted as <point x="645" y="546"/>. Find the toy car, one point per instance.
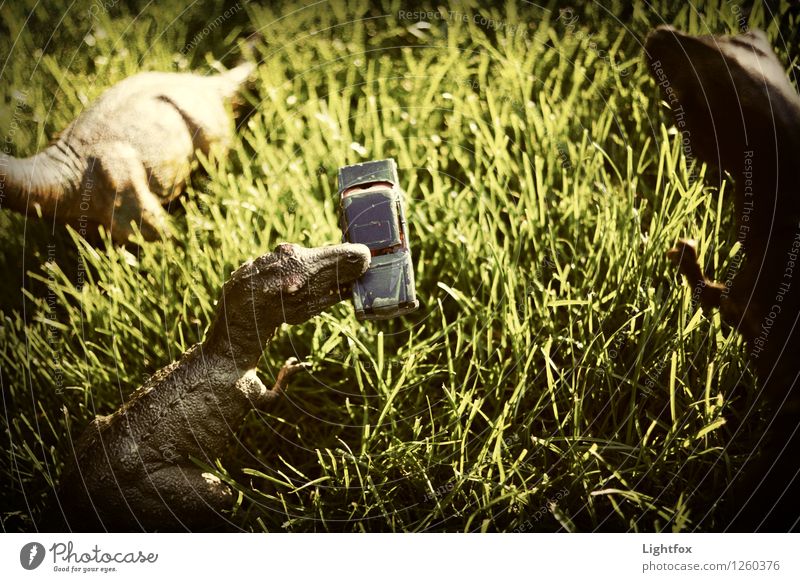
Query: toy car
<point x="371" y="205"/>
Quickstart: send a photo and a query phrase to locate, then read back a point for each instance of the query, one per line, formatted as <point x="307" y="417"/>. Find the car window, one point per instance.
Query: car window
<point x="373" y="219"/>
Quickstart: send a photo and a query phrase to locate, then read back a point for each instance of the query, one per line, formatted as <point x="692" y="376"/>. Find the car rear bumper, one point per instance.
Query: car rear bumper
<point x="387" y="289"/>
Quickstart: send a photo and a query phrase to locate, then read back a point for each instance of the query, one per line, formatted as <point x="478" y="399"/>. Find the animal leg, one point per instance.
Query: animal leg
<point x="261" y="397"/>
<point x="131" y="199"/>
<point x="291" y="367"/>
<point x="708" y="292"/>
<point x="180" y="497"/>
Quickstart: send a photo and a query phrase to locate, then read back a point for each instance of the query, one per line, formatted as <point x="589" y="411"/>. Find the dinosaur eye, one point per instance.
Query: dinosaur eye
<point x="292" y="284"/>
<point x="285" y="249"/>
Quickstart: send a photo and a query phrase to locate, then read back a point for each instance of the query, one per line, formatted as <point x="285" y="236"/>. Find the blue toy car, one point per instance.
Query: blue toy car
<point x="371" y="204"/>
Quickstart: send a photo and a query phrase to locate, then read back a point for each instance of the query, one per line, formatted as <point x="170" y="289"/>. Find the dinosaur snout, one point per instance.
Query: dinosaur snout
<point x="348" y="261"/>
<point x="313" y="279"/>
<point x="356" y="257"/>
<point x="332" y="268"/>
<point x="287" y="250"/>
<point x="289" y="285"/>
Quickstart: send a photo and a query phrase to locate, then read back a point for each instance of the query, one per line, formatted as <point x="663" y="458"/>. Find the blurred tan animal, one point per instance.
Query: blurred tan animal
<point x="129" y="154"/>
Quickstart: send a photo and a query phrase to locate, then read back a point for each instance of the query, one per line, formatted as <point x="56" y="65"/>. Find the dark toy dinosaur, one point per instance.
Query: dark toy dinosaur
<point x="731" y="94"/>
<point x="133" y="470"/>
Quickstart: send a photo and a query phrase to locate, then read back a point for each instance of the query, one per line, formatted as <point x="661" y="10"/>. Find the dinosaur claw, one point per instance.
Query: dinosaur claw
<point x="674" y="255"/>
<point x="685" y="251"/>
<point x="292" y="366"/>
<point x="684" y="256"/>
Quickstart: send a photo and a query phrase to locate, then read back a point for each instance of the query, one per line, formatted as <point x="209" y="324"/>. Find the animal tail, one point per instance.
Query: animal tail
<point x="233" y="79"/>
<point x="41" y="180"/>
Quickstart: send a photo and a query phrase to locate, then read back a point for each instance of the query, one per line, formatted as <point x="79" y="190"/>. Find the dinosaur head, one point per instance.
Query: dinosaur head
<point x="730" y="93"/>
<point x="289" y="285"/>
<point x="312" y="280"/>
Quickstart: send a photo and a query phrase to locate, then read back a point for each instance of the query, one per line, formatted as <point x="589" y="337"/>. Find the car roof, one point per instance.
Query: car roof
<point x="372" y="218"/>
<point x="375" y="171"/>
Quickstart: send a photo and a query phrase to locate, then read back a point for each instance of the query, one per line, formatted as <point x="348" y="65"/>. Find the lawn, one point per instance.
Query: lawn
<point x="557" y="375"/>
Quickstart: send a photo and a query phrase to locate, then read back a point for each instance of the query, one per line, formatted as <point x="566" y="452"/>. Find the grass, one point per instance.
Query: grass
<point x="557" y="375"/>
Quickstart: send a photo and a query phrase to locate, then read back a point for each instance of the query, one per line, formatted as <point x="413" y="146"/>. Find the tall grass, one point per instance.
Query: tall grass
<point x="557" y="375"/>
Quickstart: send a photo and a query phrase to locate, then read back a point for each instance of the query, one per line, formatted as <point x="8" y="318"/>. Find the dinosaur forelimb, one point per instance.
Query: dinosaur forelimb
<point x="708" y="292"/>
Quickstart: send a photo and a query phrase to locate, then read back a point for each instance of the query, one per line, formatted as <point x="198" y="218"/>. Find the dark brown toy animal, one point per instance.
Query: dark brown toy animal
<point x="743" y="116"/>
<point x="127" y="155"/>
<point x="135" y="469"/>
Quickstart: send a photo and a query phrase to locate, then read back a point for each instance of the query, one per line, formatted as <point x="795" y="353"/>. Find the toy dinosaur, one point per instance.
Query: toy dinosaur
<point x="127" y="155"/>
<point x="134" y="469"/>
<point x="731" y="97"/>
